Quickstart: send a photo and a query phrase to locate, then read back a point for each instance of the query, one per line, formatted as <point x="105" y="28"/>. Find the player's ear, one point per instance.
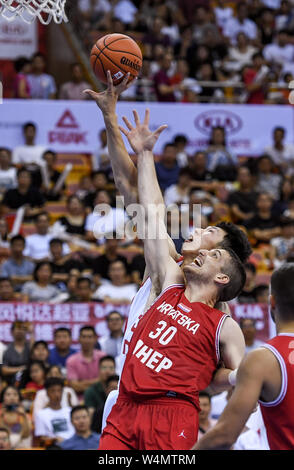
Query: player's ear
<point x="222" y="279"/>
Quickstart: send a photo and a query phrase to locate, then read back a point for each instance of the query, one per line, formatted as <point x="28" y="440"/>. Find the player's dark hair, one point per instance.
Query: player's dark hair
<point x="282" y="282"/>
<point x="235" y="240"/>
<point x="236" y="272"/>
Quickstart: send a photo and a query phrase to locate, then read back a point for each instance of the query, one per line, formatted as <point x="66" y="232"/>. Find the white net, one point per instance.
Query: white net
<point x="29" y="10"/>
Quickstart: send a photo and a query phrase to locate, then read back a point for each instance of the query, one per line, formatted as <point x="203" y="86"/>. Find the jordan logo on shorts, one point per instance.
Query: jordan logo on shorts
<point x="182" y="435"/>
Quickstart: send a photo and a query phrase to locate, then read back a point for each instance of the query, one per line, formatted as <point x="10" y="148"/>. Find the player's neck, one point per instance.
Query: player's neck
<point x="200" y="293"/>
<point x="285" y="327"/>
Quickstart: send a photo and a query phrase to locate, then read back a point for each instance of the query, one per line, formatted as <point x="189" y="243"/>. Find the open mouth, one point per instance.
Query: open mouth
<point x="198" y="261"/>
<point x="189" y="239"/>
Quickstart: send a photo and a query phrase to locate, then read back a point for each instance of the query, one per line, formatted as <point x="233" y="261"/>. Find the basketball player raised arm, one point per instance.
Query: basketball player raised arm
<point x="124" y="170"/>
<point x="163" y="269"/>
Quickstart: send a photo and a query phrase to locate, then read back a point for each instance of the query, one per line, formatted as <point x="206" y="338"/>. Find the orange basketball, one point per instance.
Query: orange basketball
<point x="118" y="53"/>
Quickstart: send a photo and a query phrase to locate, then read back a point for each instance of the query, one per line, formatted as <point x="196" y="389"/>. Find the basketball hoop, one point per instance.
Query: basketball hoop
<point x="29" y="10"/>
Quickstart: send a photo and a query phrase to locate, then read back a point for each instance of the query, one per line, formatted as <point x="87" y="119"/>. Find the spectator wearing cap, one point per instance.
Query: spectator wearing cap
<point x="17" y="268"/>
<point x="112" y="342"/>
<point x="82" y="367"/>
<point x="248" y="327"/>
<point x="54" y="421"/>
<point x="84" y="438"/>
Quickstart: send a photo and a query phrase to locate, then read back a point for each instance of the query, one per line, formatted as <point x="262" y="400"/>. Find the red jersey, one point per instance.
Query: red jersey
<point x="174" y="349"/>
<point x="278" y="415"/>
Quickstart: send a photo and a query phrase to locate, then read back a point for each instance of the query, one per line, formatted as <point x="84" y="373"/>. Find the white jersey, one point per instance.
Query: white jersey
<point x="136" y="312"/>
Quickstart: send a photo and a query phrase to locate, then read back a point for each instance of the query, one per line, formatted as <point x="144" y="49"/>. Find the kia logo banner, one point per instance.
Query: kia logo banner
<point x="74" y="126"/>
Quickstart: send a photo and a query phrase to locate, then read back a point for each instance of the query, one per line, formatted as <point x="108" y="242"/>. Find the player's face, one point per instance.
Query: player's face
<point x="207" y="266"/>
<point x="206" y="239"/>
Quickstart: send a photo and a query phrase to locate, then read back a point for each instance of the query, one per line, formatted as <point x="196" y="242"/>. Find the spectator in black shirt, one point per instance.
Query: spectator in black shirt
<point x="99" y="182"/>
<point x="247" y="296"/>
<point x="263" y="225"/>
<point x="100" y="265"/>
<point x="83" y="291"/>
<point x="74" y="220"/>
<point x="242" y="202"/>
<point x="62" y="265"/>
<point x="50" y="194"/>
<point x="17" y="354"/>
<point x="202" y="178"/>
<point x="24" y="194"/>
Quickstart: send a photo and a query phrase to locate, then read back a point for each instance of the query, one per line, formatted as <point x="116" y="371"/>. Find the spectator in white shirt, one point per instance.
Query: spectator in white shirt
<point x="118" y="290"/>
<point x="280" y="52"/>
<point x="98" y="226"/>
<point x="29" y="154"/>
<point x="281" y="153"/>
<point x="42" y="85"/>
<point x="38" y="244"/>
<point x="179" y="193"/>
<point x="54" y="421"/>
<point x="111" y="343"/>
<point x="240" y="23"/>
<point x="69" y="397"/>
<point x="248" y="327"/>
<point x="73" y="89"/>
<point x="8" y="178"/>
<point x="125" y="11"/>
<point x="241" y="54"/>
<point x="222" y="13"/>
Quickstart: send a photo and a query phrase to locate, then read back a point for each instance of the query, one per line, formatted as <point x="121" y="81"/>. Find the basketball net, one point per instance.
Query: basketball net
<point x="29" y="10"/>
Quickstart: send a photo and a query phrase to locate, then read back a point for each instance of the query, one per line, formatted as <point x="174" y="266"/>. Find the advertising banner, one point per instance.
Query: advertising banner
<point x="74" y="126"/>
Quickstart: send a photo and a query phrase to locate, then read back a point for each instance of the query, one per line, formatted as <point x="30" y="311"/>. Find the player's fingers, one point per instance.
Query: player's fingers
<point x="136" y="117"/>
<point x="109" y="81"/>
<point x="123" y="130"/>
<point x="127" y="123"/>
<point x="160" y="129"/>
<point x="147" y="117"/>
<point x="123" y="85"/>
<point x="131" y="82"/>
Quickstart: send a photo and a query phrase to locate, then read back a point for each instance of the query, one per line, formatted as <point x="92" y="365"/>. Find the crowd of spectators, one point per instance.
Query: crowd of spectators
<point x="193" y="51"/>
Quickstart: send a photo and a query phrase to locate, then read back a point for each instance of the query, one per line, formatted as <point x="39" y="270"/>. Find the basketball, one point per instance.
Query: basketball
<point x="118" y="53"/>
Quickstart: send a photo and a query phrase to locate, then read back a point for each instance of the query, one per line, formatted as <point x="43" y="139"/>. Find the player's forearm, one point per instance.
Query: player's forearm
<point x="149" y="190"/>
<point x="220" y="381"/>
<point x="124" y="170"/>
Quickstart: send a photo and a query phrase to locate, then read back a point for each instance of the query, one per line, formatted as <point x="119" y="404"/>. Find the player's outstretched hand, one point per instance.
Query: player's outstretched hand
<point x="141" y="137"/>
<point x="107" y="99"/>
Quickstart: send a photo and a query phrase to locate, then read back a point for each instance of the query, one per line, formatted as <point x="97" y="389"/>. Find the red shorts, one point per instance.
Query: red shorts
<point x="160" y="424"/>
